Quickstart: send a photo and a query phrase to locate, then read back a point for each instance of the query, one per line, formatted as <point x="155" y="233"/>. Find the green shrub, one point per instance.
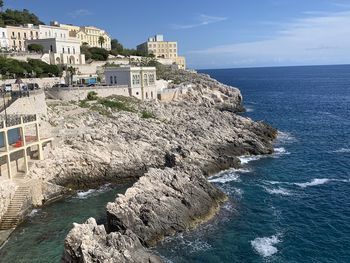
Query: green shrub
<point x="116" y="104"/>
<point x="92" y="95"/>
<point x="147" y="115"/>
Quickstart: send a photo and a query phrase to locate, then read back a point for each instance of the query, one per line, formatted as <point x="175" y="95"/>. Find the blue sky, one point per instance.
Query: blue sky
<point x="220" y="33"/>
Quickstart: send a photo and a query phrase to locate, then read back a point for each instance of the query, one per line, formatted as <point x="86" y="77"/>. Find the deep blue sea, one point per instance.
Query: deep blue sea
<point x="293" y="206"/>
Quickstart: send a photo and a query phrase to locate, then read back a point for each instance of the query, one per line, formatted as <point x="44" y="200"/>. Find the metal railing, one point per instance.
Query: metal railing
<point x="15" y="119"/>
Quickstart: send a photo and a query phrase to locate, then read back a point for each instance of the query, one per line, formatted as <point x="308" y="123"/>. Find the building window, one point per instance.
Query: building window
<point x="68" y="50"/>
<point x="115" y="79"/>
<point x="19" y="35"/>
<point x="13" y="34"/>
<point x="145" y="80"/>
<point x="25" y="35"/>
<point x="73" y="50"/>
<point x="3" y="34"/>
<point x="151" y="79"/>
<point x="146" y="95"/>
<point x="111" y="80"/>
<point x="37" y="34"/>
<point x="136" y="79"/>
<point x="51" y="48"/>
<point x="63" y="50"/>
<point x="152" y="94"/>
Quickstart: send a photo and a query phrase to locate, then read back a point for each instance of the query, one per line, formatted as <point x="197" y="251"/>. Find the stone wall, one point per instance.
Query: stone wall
<point x="76" y="94"/>
<point x="42" y="82"/>
<point x="34" y="104"/>
<point x="168" y="95"/>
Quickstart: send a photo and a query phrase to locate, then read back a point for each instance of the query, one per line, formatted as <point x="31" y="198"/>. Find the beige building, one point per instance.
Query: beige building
<point x="87" y="34"/>
<point x="161" y="49"/>
<point x="17" y="35"/>
<point x="140" y="81"/>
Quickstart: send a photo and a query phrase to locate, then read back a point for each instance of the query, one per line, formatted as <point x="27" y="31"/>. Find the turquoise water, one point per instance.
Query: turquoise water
<point x="295" y="205"/>
<point x="41" y="238"/>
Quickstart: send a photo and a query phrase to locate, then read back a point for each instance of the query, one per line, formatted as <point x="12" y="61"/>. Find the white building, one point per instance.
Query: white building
<point x="141" y="81"/>
<point x="61" y="51"/>
<point x="53" y="32"/>
<point x="4" y="42"/>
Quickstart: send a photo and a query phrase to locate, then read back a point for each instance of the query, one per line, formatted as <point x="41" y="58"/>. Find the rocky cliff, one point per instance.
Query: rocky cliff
<point x="167" y="149"/>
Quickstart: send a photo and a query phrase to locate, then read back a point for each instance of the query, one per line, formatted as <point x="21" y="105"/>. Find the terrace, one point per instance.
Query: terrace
<point x="20" y="143"/>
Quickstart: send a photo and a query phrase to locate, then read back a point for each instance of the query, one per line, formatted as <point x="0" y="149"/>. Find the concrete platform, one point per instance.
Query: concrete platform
<point x="4" y="235"/>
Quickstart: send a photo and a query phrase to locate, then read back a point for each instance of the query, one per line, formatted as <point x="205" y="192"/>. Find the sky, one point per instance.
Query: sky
<point x="218" y="33"/>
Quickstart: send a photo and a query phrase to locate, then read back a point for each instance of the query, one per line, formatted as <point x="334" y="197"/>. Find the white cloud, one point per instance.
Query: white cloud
<point x="321" y="39"/>
<point x="80" y="12"/>
<point x="201" y="20"/>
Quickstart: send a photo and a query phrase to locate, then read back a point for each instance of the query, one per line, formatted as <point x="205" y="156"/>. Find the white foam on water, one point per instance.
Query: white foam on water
<point x="248" y="158"/>
<point x="227" y="176"/>
<point x="85" y="194"/>
<point x="265" y="246"/>
<point x="88" y="193"/>
<point x="285" y="137"/>
<point x="313" y="182"/>
<point x="198" y="245"/>
<point x="342" y="150"/>
<point x="278" y="191"/>
<point x="280" y="151"/>
<point x="33" y="212"/>
<point x="249" y="109"/>
<point x="224" y="178"/>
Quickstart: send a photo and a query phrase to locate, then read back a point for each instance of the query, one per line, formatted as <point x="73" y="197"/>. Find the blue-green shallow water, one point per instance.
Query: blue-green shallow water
<point x="295" y="205"/>
<point x="41" y="237"/>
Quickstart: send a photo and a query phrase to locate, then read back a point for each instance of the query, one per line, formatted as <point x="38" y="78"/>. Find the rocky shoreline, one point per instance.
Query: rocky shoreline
<point x="168" y="152"/>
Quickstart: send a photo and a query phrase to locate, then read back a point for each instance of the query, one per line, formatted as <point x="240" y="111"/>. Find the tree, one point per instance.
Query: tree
<point x="36" y="48"/>
<point x="101" y="40"/>
<point x="16" y="18"/>
<point x="116" y="47"/>
<point x="1" y="5"/>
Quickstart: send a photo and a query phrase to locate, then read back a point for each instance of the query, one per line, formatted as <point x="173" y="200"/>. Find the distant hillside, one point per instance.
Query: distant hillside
<point x="16" y="17"/>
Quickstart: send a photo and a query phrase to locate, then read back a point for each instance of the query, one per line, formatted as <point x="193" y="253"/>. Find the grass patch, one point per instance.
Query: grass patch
<point x="83" y="104"/>
<point x="147" y="115"/>
<point x="117" y="105"/>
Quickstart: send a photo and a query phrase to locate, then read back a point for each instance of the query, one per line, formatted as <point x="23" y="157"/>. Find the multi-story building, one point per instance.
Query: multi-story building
<point x="4" y="42"/>
<point x="140" y="81"/>
<point x="87" y="34"/>
<point x="159" y="48"/>
<point x="60" y="51"/>
<point x="53" y="32"/>
<point x="163" y="50"/>
<point x="17" y="35"/>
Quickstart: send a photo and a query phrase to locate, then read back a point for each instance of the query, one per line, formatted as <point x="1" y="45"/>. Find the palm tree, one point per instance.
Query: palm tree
<point x="72" y="71"/>
<point x="101" y="40"/>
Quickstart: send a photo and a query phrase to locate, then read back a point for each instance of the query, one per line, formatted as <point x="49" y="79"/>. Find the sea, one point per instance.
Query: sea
<point x="291" y="206"/>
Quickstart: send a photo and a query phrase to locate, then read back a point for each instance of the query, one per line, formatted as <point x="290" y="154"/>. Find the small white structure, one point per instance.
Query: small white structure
<point x="4" y="42"/>
<point x="61" y="51"/>
<point x="140" y="80"/>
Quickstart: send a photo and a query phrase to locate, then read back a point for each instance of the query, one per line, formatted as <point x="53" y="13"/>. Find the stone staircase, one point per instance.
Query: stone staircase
<point x="14" y="211"/>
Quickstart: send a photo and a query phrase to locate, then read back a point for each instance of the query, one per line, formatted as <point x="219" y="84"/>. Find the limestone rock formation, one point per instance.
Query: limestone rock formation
<point x="90" y="243"/>
<point x="167" y="149"/>
<point x="164" y="202"/>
